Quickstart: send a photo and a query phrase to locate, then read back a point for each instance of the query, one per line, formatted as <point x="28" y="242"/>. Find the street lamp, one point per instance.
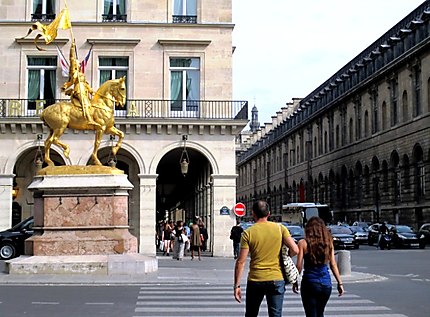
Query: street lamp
<point x="184" y="160"/>
<point x="38" y="158"/>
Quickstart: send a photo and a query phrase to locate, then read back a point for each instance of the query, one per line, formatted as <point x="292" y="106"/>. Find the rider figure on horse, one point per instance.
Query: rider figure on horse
<point x="80" y="93"/>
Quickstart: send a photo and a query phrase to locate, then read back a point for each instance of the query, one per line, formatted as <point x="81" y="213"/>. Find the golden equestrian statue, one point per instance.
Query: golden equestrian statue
<point x="82" y="112"/>
<point x="62" y="115"/>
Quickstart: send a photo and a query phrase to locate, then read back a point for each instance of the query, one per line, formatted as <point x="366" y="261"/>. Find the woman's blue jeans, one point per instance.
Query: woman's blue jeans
<point x="274" y="292"/>
<point x="314" y="298"/>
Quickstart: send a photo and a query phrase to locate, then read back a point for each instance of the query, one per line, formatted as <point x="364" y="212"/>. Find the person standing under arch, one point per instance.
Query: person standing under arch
<point x="196" y="241"/>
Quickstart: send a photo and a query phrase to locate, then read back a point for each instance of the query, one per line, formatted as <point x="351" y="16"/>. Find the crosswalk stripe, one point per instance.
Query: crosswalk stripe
<point x="216" y="300"/>
<point x="209" y="302"/>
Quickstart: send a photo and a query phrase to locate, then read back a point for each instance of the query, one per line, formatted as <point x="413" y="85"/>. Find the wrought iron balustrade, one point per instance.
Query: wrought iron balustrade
<point x="114" y="17"/>
<point x="43" y="17"/>
<point x="192" y="19"/>
<point x="141" y="109"/>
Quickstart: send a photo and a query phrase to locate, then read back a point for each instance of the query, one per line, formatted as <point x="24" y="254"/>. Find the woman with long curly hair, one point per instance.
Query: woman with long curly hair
<point x="317" y="252"/>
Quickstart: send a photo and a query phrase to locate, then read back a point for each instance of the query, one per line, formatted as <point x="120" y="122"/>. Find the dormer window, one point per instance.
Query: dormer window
<point x="184" y="11"/>
<point x="114" y="11"/>
<point x="43" y="10"/>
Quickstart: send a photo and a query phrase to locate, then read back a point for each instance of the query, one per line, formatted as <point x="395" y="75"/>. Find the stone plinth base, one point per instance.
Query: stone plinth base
<point x="80" y="215"/>
<point x="120" y="264"/>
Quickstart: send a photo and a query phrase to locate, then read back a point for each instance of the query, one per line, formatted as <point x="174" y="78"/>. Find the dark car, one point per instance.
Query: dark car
<point x="405" y="237"/>
<point x="374" y="232"/>
<point x="424" y="232"/>
<point x="343" y="238"/>
<point x="297" y="232"/>
<point x="361" y="234"/>
<point x="12" y="240"/>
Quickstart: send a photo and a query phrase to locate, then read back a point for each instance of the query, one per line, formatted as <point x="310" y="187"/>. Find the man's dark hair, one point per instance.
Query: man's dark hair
<point x="261" y="209"/>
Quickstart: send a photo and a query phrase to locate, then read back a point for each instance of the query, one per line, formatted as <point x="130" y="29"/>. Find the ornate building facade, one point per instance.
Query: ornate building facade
<point x="177" y="59"/>
<point x="359" y="142"/>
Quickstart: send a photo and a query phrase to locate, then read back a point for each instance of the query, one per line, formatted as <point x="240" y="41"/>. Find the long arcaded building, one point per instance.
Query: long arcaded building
<point x="359" y="142"/>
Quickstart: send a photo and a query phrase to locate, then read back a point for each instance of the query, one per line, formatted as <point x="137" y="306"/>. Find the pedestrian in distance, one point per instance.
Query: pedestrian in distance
<point x="179" y="245"/>
<point x="235" y="235"/>
<point x="203" y="235"/>
<point x="195" y="239"/>
<point x="263" y="243"/>
<point x="316" y="252"/>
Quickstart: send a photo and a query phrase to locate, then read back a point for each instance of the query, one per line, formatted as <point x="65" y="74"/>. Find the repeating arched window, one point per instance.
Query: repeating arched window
<point x="384" y="116"/>
<point x="351" y="131"/>
<point x="397" y="180"/>
<point x="332" y="191"/>
<point x="367" y="179"/>
<point x="359" y="183"/>
<point x="406" y="171"/>
<point x="385" y="183"/>
<point x="337" y="136"/>
<point x="405" y="110"/>
<point x="351" y="187"/>
<point x="366" y="124"/>
<point x="419" y="171"/>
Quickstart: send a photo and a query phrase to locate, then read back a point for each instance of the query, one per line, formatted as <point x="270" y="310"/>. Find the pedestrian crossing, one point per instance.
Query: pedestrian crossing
<point x="215" y="300"/>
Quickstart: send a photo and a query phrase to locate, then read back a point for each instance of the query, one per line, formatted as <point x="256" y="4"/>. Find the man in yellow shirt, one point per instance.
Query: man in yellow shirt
<point x="263" y="242"/>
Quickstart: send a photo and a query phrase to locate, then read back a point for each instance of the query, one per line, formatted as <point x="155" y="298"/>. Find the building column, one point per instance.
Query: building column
<point x="6" y="186"/>
<point x="147" y="222"/>
<point x="224" y="194"/>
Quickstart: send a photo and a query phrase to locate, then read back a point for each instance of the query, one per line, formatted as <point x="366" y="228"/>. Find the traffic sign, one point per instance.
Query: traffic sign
<point x="239" y="209"/>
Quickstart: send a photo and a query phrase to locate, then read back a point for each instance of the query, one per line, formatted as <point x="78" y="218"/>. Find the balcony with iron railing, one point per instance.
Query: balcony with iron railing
<point x="141" y="109"/>
<point x="114" y="17"/>
<point x="43" y="17"/>
<point x="191" y="19"/>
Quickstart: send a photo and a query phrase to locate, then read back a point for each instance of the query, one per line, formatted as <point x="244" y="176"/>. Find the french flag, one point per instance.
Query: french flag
<point x="85" y="60"/>
<point x="63" y="62"/>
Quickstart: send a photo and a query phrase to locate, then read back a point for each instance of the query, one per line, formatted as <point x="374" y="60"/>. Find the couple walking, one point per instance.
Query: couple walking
<point x="263" y="242"/>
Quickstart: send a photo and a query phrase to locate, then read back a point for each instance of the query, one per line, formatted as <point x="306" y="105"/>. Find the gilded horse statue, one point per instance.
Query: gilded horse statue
<point x="62" y="115"/>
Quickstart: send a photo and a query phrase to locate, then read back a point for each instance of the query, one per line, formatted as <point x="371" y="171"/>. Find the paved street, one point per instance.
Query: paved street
<point x="390" y="283"/>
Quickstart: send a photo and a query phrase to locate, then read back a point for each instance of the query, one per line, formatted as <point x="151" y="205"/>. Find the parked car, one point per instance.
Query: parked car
<point x="12" y="240"/>
<point x="297" y="232"/>
<point x="362" y="224"/>
<point x="374" y="233"/>
<point x="424" y="232"/>
<point x="343" y="238"/>
<point x="361" y="234"/>
<point x="404" y="237"/>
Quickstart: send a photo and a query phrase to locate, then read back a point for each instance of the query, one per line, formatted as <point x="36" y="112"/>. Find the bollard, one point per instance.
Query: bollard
<point x="344" y="262"/>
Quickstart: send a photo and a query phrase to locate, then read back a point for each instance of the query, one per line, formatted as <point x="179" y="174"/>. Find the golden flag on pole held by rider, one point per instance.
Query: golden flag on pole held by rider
<point x="49" y="32"/>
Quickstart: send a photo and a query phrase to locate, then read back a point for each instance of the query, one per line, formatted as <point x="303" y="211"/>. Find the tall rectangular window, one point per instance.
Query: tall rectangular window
<point x="41" y="80"/>
<point x="43" y="10"/>
<point x="185" y="86"/>
<point x="184" y="11"/>
<point x="394" y="95"/>
<point x="113" y="68"/>
<point x="114" y="11"/>
<point x="417" y="91"/>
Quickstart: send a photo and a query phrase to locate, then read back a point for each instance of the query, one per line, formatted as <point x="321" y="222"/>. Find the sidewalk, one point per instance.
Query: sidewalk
<point x="211" y="270"/>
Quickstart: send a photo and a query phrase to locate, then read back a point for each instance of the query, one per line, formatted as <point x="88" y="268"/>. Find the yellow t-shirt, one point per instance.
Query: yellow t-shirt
<point x="264" y="243"/>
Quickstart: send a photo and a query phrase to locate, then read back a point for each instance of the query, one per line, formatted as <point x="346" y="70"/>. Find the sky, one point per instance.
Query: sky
<point x="287" y="48"/>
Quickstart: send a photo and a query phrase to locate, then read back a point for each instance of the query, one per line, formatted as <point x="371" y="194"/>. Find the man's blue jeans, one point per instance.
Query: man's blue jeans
<point x="274" y="292"/>
<point x="236" y="249"/>
<point x="314" y="297"/>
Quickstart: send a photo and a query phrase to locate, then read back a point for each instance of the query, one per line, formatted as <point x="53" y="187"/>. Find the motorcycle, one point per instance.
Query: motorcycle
<point x="385" y="241"/>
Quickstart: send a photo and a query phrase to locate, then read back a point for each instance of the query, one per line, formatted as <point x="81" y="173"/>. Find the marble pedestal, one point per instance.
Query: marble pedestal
<point x="83" y="218"/>
<point x="81" y="215"/>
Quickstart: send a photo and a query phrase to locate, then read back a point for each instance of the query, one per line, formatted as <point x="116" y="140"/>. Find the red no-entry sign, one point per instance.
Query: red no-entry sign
<point x="239" y="209"/>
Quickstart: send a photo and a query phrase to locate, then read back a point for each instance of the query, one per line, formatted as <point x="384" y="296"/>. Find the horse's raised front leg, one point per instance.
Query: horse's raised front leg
<point x="56" y="140"/>
<point x="114" y="131"/>
<point x="98" y="139"/>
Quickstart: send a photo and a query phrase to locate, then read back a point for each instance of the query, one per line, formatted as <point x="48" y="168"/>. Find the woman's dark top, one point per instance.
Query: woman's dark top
<point x="315" y="273"/>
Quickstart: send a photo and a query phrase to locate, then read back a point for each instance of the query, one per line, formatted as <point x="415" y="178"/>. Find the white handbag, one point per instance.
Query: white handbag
<point x="288" y="268"/>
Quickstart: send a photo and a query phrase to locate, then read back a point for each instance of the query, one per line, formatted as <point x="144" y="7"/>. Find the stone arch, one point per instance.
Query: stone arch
<point x="152" y="167"/>
<point x="26" y="146"/>
<point x="106" y="145"/>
